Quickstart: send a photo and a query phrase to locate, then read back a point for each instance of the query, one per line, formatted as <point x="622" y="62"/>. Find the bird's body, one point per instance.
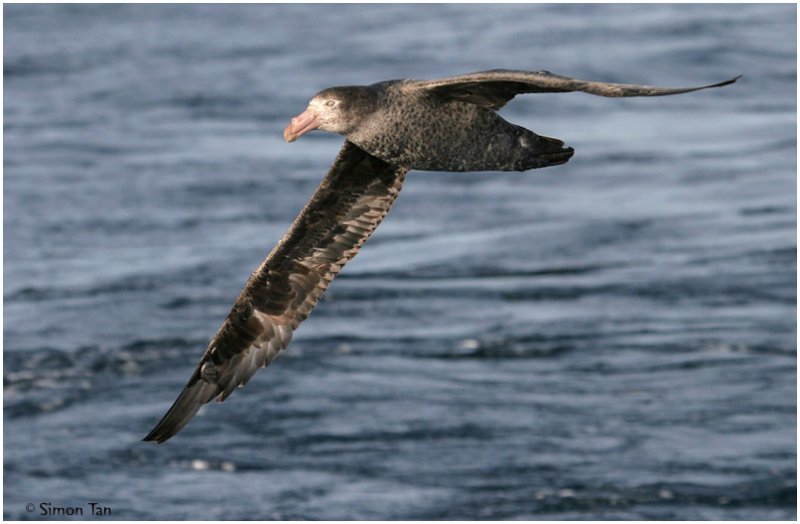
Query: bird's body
<point x="433" y="133"/>
<point x="390" y="127"/>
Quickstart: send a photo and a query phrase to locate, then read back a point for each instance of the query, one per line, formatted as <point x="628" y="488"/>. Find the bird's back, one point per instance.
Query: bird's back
<point x="419" y="131"/>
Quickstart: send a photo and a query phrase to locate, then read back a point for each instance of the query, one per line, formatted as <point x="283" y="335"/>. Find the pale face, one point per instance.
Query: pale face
<point x="324" y="112"/>
<point x="337" y="109"/>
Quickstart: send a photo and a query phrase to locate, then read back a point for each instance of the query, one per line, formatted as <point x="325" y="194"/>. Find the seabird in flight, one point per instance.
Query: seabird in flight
<point x="390" y="128"/>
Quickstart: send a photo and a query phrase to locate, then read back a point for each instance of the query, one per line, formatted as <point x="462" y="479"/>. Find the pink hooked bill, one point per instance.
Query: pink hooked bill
<point x="301" y="124"/>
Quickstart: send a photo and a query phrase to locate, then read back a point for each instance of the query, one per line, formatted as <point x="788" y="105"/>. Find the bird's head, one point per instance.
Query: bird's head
<point x="337" y="109"/>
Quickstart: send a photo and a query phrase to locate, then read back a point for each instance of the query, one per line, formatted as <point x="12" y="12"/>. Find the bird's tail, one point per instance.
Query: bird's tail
<point x="543" y="151"/>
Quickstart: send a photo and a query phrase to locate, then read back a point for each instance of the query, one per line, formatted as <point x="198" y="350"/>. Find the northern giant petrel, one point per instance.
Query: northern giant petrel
<point x="390" y="127"/>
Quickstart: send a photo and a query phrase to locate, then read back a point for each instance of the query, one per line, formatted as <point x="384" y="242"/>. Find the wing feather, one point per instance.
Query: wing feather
<point x="493" y="89"/>
<point x="347" y="207"/>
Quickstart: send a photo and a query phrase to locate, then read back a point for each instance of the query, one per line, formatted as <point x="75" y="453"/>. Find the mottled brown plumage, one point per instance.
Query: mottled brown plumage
<point x="451" y="124"/>
<point x="391" y="127"/>
<point x="343" y="212"/>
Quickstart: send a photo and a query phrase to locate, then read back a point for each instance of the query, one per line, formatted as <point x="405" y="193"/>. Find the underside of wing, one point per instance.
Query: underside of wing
<point x="341" y="215"/>
<point x="493" y="89"/>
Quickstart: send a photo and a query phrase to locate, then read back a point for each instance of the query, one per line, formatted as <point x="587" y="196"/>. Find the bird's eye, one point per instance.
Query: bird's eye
<point x="330" y="103"/>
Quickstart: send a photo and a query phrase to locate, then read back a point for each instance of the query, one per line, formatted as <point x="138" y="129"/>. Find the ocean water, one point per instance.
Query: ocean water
<point x="609" y="339"/>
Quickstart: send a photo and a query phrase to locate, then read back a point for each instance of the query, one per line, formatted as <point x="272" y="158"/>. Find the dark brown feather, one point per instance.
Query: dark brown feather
<point x="344" y="211"/>
<point x="494" y="89"/>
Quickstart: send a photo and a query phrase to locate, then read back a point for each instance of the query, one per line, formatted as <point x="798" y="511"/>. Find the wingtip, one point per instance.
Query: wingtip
<point x="731" y="81"/>
<point x="157" y="435"/>
<point x="718" y="84"/>
<point x="164" y="431"/>
<point x="194" y="395"/>
<point x="152" y="437"/>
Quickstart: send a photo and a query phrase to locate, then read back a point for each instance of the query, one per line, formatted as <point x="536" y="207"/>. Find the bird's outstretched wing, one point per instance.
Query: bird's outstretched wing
<point x="493" y="89"/>
<point x="344" y="211"/>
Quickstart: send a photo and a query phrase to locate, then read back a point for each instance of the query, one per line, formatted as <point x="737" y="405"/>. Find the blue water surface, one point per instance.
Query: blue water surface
<point x="609" y="339"/>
